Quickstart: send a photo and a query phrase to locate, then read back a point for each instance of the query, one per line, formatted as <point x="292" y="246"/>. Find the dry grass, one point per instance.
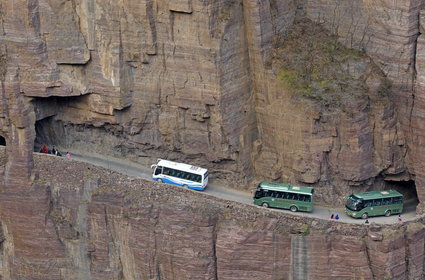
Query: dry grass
<point x="313" y="64"/>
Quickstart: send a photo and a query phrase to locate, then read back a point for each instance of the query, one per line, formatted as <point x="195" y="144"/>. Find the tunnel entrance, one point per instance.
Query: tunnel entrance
<point x="48" y="132"/>
<point x="2" y="141"/>
<point x="407" y="188"/>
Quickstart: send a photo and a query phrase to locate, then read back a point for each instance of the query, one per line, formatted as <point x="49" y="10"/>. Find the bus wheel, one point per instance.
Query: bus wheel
<point x="387" y="213"/>
<point x="365" y="215"/>
<point x="185" y="186"/>
<point x="265" y="205"/>
<point x="159" y="180"/>
<point x="293" y="208"/>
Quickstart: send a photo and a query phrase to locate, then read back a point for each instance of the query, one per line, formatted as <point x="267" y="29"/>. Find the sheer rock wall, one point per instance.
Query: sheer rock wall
<point x="389" y="32"/>
<point x="98" y="224"/>
<point x="196" y="81"/>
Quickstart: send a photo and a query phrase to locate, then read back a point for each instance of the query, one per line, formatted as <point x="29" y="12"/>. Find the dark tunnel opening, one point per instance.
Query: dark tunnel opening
<point x="408" y="189"/>
<point x="49" y="132"/>
<point x="2" y="141"/>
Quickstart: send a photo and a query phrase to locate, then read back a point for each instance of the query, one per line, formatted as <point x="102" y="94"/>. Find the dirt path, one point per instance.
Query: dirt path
<point x="218" y="189"/>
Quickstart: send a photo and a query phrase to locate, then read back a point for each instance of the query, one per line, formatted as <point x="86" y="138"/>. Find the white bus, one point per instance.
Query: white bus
<point x="181" y="174"/>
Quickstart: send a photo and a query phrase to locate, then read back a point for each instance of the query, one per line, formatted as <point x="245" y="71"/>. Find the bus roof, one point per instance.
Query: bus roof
<point x="286" y="187"/>
<point x="182" y="166"/>
<point x="377" y="194"/>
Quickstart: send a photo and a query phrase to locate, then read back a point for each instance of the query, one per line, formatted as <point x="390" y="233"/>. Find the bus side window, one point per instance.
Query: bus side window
<point x="158" y="170"/>
<point x="308" y="198"/>
<point x="397" y="200"/>
<point x="166" y="171"/>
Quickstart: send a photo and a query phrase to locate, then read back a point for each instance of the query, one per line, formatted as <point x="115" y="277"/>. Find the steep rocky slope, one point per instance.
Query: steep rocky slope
<point x="78" y="221"/>
<point x="204" y="82"/>
<point x="218" y="84"/>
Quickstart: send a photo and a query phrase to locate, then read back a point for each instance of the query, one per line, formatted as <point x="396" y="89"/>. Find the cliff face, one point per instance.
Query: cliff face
<point x="201" y="81"/>
<point x="389" y="33"/>
<point x="211" y="83"/>
<point x="157" y="75"/>
<point x="91" y="223"/>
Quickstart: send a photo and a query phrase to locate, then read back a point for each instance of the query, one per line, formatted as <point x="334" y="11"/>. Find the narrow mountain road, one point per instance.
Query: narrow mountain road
<point x="217" y="189"/>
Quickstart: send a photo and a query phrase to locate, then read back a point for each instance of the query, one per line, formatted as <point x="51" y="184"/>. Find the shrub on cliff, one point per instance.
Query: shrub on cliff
<point x="312" y="63"/>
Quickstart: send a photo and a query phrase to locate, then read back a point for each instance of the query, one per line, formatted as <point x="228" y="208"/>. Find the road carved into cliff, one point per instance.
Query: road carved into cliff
<point x="218" y="189"/>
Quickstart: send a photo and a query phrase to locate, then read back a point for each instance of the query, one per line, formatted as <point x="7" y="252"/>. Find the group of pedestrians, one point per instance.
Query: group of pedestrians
<point x="335" y="217"/>
<point x="53" y="151"/>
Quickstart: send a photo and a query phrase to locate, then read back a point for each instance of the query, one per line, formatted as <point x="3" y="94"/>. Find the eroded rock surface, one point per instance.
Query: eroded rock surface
<point x="199" y="81"/>
<point x="92" y="223"/>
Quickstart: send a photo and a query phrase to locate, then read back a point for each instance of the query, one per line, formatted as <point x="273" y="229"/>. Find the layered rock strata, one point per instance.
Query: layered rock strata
<point x="389" y="33"/>
<point x="78" y="221"/>
<point x="198" y="81"/>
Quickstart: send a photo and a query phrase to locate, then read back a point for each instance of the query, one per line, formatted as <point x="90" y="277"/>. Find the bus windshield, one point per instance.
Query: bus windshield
<point x="354" y="203"/>
<point x="258" y="193"/>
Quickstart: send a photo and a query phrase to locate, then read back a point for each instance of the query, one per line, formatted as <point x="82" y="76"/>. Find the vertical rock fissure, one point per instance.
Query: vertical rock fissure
<point x="6" y="250"/>
<point x="369" y="261"/>
<point x="81" y="258"/>
<point x="276" y="260"/>
<point x="214" y="248"/>
<point x="155" y="269"/>
<point x="33" y="15"/>
<point x="299" y="257"/>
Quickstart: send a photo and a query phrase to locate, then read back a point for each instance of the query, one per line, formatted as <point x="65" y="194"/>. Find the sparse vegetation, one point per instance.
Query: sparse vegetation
<point x="313" y="64"/>
<point x="306" y="230"/>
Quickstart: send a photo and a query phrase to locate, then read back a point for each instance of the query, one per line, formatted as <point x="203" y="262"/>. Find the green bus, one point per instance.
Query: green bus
<point x="294" y="198"/>
<point x="374" y="203"/>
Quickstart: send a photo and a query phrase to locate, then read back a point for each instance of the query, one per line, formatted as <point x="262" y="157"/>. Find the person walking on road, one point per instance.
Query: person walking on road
<point x="68" y="155"/>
